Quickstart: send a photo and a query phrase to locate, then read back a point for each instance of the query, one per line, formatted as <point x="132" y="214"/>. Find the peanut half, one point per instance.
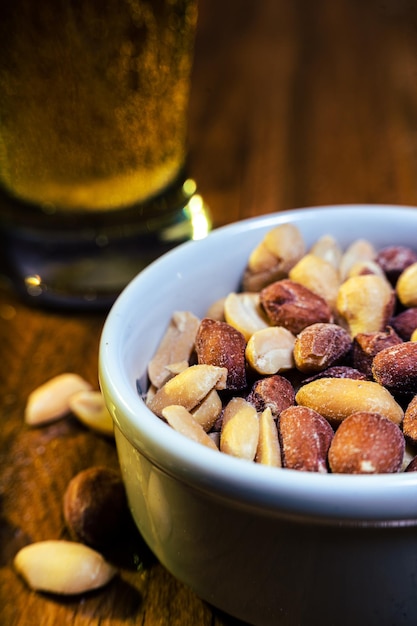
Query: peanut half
<point x="89" y="407"/>
<point x="366" y="303"/>
<point x="269" y="449"/>
<point x="50" y="401"/>
<point x="240" y="429"/>
<point x="176" y="345"/>
<point x="183" y="422"/>
<point x="270" y="350"/>
<point x="243" y="312"/>
<point x="188" y="388"/>
<point x="337" y="398"/>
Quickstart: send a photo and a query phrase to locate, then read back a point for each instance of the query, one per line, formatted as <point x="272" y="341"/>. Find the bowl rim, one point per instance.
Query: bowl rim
<point x="384" y="498"/>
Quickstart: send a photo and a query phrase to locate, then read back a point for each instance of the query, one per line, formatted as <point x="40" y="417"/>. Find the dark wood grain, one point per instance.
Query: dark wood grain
<point x="294" y="103"/>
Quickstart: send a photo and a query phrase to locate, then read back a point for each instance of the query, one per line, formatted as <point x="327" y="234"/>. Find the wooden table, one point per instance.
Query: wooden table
<point x="294" y="103"/>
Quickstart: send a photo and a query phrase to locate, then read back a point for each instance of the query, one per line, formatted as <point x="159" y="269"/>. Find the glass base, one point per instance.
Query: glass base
<point x="84" y="260"/>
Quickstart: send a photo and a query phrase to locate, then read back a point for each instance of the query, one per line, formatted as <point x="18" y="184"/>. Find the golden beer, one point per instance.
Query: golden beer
<point x="93" y="129"/>
<point x="93" y="99"/>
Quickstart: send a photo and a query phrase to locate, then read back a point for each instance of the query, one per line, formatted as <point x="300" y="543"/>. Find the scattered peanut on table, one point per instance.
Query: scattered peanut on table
<point x="95" y="507"/>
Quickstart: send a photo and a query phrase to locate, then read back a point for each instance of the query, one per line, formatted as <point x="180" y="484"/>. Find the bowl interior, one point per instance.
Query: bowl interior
<point x="192" y="277"/>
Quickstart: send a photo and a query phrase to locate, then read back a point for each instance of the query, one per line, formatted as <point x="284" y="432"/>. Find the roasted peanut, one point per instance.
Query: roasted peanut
<point x="218" y="343"/>
<point x="293" y="306"/>
<point x="367" y="345"/>
<point x="326" y="313"/>
<point x="396" y="367"/>
<point x="366" y="443"/>
<point x="319" y="346"/>
<point x="275" y="392"/>
<point x="405" y="323"/>
<point x="95" y="506"/>
<point x="305" y="439"/>
<point x="394" y="260"/>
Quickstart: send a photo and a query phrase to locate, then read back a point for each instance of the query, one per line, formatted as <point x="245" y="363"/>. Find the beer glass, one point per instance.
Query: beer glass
<point x="93" y="138"/>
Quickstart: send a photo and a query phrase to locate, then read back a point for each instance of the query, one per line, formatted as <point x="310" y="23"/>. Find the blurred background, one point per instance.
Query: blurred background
<point x="299" y="103"/>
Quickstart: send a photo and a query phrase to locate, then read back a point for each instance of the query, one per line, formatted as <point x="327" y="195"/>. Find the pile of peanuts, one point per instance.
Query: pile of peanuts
<point x="311" y="365"/>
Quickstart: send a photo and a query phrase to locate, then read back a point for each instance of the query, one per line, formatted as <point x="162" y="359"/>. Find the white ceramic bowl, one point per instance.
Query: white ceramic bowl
<point x="269" y="546"/>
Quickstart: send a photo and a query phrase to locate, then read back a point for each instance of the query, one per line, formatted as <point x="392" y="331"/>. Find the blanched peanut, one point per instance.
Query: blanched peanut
<point x="328" y="249"/>
<point x="317" y="275"/>
<point x="183" y="422"/>
<point x="410" y="421"/>
<point x="62" y="567"/>
<point x="366" y="267"/>
<point x="243" y="312"/>
<point x="50" y="401"/>
<point x="240" y="429"/>
<point x="359" y="250"/>
<point x="189" y="387"/>
<point x="337" y="398"/>
<point x="366" y="303"/>
<point x="270" y="350"/>
<point x="89" y="407"/>
<point x="176" y="345"/>
<point x="269" y="449"/>
<point x="273" y="258"/>
<point x="407" y="286"/>
<point x="216" y="310"/>
<point x="209" y="409"/>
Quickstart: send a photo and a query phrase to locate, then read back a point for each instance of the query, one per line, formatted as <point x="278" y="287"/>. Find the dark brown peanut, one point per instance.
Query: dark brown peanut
<point x="319" y="346"/>
<point x="395" y="368"/>
<point x="275" y="392"/>
<point x="293" y="306"/>
<point x="337" y="371"/>
<point x="95" y="506"/>
<point x="305" y="438"/>
<point x="394" y="259"/>
<point x="405" y="323"/>
<point x="367" y="345"/>
<point x="218" y="343"/>
<point x="366" y="443"/>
